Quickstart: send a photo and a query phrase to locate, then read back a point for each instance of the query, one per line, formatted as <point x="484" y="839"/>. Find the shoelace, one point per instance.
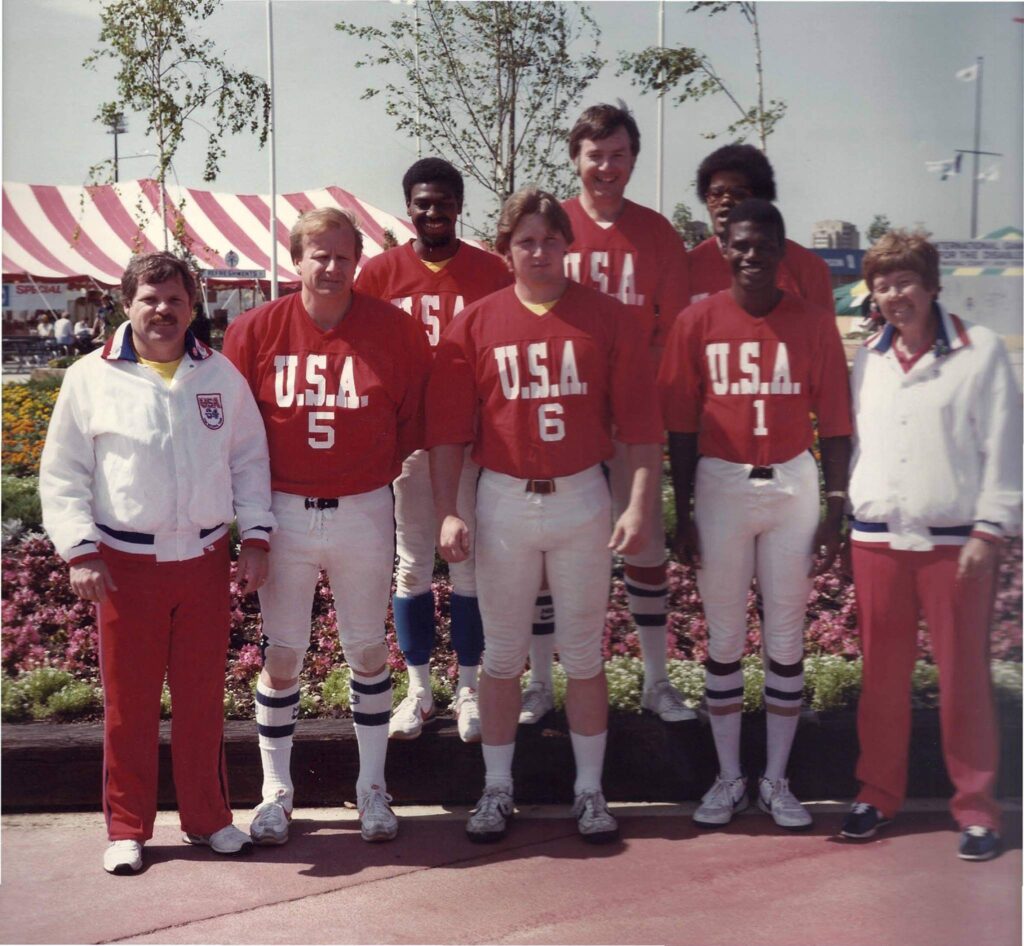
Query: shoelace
<point x="722" y="787"/>
<point x="860" y="808"/>
<point x="373" y="800"/>
<point x="976" y="831"/>
<point x="490" y="801"/>
<point x="588" y="801"/>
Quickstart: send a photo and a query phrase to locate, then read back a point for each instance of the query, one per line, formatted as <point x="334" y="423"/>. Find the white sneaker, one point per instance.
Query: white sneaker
<point x="123" y="857"/>
<point x="377" y="820"/>
<point x="593" y="819"/>
<point x="467" y="714"/>
<point x="489" y="820"/>
<point x="228" y="840"/>
<point x="270" y="821"/>
<point x="722" y="801"/>
<point x="665" y="701"/>
<point x="408" y="719"/>
<point x="776" y="799"/>
<point x="538" y="701"/>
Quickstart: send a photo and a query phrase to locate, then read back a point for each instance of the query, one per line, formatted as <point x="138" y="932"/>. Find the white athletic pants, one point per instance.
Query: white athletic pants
<point x="416" y="527"/>
<point x="756" y="526"/>
<point x="520" y="534"/>
<point x="355" y="545"/>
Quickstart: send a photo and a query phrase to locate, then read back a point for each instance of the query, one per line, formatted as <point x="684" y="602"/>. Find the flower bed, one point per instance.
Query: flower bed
<point x="26" y="415"/>
<point x="46" y="628"/>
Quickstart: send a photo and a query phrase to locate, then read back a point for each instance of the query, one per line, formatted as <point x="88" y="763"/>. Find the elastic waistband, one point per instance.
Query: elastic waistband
<point x="937" y="531"/>
<point x="162" y="548"/>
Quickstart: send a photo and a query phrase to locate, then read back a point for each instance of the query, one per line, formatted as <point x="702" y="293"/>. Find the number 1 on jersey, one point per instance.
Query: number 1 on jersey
<point x="759" y="428"/>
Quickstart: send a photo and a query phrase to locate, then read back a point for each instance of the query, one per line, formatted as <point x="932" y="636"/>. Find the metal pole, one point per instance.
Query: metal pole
<point x="977" y="147"/>
<point x="660" y="170"/>
<point x="273" y="153"/>
<point x="419" y="147"/>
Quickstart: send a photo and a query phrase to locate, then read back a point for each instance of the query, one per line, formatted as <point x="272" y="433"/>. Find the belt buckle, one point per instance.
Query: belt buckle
<point x="314" y="502"/>
<point x="761" y="473"/>
<point x="540" y="487"/>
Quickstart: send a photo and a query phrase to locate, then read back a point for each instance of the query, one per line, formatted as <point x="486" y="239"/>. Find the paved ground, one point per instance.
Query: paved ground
<point x="665" y="882"/>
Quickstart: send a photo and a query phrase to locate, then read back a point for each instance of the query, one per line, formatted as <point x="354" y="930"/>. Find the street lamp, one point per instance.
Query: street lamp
<point x="116" y="126"/>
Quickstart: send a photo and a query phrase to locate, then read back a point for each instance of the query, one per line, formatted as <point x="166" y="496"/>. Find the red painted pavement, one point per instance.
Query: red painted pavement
<point x="665" y="882"/>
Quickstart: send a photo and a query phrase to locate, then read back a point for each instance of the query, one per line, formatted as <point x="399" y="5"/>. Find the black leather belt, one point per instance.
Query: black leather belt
<point x="314" y="503"/>
<point x="541" y="487"/>
<point x="761" y="472"/>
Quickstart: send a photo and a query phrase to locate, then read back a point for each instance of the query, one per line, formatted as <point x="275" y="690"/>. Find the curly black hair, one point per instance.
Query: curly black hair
<point x="743" y="159"/>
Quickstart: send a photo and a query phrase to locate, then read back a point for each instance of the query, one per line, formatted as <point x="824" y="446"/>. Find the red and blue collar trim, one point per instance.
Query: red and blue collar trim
<point x="119" y="346"/>
<point x="951" y="335"/>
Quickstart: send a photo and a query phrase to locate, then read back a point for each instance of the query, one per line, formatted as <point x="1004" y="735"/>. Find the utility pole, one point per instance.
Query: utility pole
<point x="660" y="171"/>
<point x="115" y="127"/>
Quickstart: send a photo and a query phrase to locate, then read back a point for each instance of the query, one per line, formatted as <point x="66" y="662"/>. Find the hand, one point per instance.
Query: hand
<point x="977" y="558"/>
<point x="827" y="540"/>
<point x="453" y="540"/>
<point x="91" y="580"/>
<point x="627" y="535"/>
<point x="687" y="542"/>
<point x="253" y="565"/>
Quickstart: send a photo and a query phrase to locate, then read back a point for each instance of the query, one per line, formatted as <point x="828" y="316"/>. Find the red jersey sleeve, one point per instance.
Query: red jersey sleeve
<point x="831" y="387"/>
<point x="674" y="284"/>
<point x="679" y="377"/>
<point x="411" y="409"/>
<point x="371" y="278"/>
<point x="634" y="401"/>
<point x="815" y="280"/>
<point x="451" y="389"/>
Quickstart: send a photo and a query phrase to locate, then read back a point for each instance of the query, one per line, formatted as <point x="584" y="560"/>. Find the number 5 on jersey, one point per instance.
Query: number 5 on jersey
<point x="321" y="422"/>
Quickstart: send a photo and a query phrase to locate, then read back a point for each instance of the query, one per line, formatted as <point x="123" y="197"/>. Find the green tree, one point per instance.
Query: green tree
<point x="172" y="76"/>
<point x="879" y="225"/>
<point x="488" y="85"/>
<point x="664" y="69"/>
<point x="692" y="231"/>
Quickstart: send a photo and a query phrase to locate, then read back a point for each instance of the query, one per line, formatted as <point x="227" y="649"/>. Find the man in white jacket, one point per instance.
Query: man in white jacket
<point x="154" y="446"/>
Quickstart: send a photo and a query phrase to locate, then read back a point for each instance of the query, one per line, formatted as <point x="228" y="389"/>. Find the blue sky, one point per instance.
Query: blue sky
<point x="870" y="88"/>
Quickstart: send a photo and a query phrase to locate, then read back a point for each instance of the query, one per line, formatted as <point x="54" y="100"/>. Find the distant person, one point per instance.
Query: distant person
<point x="935" y="486"/>
<point x="201" y="324"/>
<point x="44" y="328"/>
<point x="725" y="178"/>
<point x="433" y="277"/>
<point x="83" y="336"/>
<point x="154" y="447"/>
<point x="64" y="332"/>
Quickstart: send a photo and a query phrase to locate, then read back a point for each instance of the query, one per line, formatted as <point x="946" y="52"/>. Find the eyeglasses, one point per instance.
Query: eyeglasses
<point x="718" y="193"/>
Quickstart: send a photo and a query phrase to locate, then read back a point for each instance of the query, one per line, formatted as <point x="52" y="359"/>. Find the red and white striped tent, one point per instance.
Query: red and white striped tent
<point x="86" y="235"/>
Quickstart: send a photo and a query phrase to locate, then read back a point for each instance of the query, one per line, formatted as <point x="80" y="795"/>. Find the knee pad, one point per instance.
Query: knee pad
<point x="581" y="663"/>
<point x="467" y="630"/>
<point x="366" y="659"/>
<point x="283" y="663"/>
<point x="504" y="668"/>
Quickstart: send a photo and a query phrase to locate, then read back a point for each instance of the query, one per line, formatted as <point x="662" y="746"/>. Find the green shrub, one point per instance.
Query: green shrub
<point x="335" y="691"/>
<point x="831" y="682"/>
<point x="20" y="498"/>
<point x="14" y="704"/>
<point x="1007" y="680"/>
<point x="73" y="701"/>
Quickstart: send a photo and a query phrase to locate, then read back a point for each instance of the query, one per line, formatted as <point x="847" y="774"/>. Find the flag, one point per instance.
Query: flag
<point x="992" y="174"/>
<point x="944" y="168"/>
<point x="969" y="74"/>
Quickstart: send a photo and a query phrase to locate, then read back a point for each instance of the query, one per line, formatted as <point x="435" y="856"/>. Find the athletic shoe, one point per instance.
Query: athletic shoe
<point x="538" y="701"/>
<point x="377" y="820"/>
<point x="666" y="702"/>
<point x="228" y="840"/>
<point x="862" y="821"/>
<point x="593" y="819"/>
<point x="467" y="714"/>
<point x="978" y="843"/>
<point x="407" y="721"/>
<point x="784" y="807"/>
<point x="123" y="857"/>
<point x="489" y="820"/>
<point x="722" y="801"/>
<point x="270" y="821"/>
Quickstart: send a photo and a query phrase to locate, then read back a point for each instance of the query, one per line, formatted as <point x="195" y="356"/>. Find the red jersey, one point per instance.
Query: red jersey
<point x="343" y="408"/>
<point x="749" y="384"/>
<point x="400" y="277"/>
<point x="801" y="272"/>
<point x="537" y="395"/>
<point x="640" y="260"/>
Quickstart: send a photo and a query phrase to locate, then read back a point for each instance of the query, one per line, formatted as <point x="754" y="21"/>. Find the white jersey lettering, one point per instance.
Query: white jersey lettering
<point x="284" y="379"/>
<point x="569" y="380"/>
<point x="781" y="382"/>
<point x="598" y="276"/>
<point x="750" y="352"/>
<point x="627" y="284"/>
<point x="718" y="366"/>
<point x="508" y="370"/>
<point x="572" y="266"/>
<point x="315" y="396"/>
<point x="348" y="396"/>
<point x="540" y="382"/>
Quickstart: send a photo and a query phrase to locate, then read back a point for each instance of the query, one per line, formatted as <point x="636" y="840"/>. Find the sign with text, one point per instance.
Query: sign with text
<point x="234" y="273"/>
<point x="26" y="297"/>
<point x="986" y="253"/>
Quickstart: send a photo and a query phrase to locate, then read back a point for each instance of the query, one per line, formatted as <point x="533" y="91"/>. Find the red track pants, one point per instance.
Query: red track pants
<point x="893" y="589"/>
<point x="173" y="618"/>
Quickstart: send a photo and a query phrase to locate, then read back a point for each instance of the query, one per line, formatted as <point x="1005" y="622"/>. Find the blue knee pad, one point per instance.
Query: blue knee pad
<point x="414" y="627"/>
<point x="467" y="630"/>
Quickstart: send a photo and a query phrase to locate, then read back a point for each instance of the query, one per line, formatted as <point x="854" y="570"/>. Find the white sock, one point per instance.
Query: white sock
<point x="588" y="752"/>
<point x="542" y="656"/>
<point x="723" y="689"/>
<point x="276" y="712"/>
<point x="783" y="696"/>
<point x="498" y="765"/>
<point x="419" y="679"/>
<point x="648" y="604"/>
<point x="370" y="699"/>
<point x="653" y="648"/>
<point x="468" y="676"/>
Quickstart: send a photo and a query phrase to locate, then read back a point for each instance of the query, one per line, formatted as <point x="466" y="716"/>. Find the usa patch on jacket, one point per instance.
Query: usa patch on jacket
<point x="211" y="410"/>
